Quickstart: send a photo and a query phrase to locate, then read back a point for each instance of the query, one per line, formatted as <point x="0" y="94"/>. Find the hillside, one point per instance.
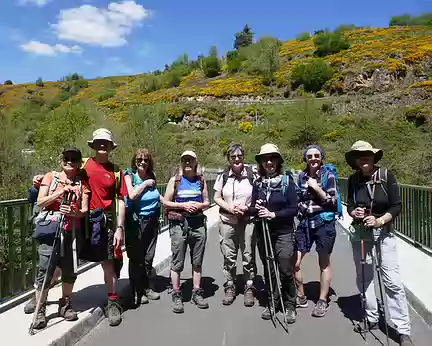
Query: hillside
<point x="378" y="87"/>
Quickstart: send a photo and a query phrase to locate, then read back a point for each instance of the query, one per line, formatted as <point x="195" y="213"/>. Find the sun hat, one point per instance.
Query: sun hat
<point x="102" y="134"/>
<point x="268" y="148"/>
<point x="317" y="147"/>
<point x="361" y="146"/>
<point x="188" y="153"/>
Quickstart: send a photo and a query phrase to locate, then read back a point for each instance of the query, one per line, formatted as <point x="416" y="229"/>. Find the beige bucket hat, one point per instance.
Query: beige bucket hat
<point x="361" y="146"/>
<point x="189" y="153"/>
<point x="267" y="149"/>
<point x="102" y="134"/>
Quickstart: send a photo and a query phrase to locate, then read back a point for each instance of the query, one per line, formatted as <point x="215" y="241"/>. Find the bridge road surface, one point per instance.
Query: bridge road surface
<point x="156" y="324"/>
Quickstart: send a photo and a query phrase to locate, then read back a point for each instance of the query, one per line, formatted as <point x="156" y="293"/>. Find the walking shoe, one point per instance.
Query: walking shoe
<point x="144" y="299"/>
<point x="177" y="302"/>
<point x="65" y="309"/>
<point x="41" y="320"/>
<point x="30" y="307"/>
<point x="359" y="328"/>
<point x="267" y="313"/>
<point x="249" y="299"/>
<point x="290" y="314"/>
<point x="320" y="308"/>
<point x="114" y="312"/>
<point x="198" y="299"/>
<point x="301" y="302"/>
<point x="405" y="340"/>
<point x="152" y="295"/>
<point x="230" y="295"/>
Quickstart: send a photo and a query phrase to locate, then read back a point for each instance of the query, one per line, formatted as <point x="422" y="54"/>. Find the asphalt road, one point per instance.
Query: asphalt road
<point x="156" y="324"/>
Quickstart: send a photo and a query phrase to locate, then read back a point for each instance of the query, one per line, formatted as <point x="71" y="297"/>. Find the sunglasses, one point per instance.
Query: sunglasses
<point x="146" y="160"/>
<point x="313" y="156"/>
<point x="270" y="158"/>
<point x="73" y="159"/>
<point x="233" y="157"/>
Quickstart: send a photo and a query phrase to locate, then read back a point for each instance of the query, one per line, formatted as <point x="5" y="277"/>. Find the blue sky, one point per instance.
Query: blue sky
<point x="52" y="38"/>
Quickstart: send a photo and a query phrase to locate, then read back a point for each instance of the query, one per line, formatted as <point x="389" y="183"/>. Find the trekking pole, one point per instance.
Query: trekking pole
<point x="60" y="225"/>
<point x="272" y="305"/>
<point x="363" y="263"/>
<point x="277" y="274"/>
<point x="378" y="258"/>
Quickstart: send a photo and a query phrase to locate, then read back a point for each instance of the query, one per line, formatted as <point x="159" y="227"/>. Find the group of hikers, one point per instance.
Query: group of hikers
<point x="110" y="207"/>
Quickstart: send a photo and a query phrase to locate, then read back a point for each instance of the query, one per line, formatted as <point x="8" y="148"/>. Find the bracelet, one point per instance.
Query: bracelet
<point x="121" y="227"/>
<point x="381" y="221"/>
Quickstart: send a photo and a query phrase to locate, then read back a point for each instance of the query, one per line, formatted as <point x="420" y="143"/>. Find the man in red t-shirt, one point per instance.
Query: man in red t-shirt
<point x="109" y="199"/>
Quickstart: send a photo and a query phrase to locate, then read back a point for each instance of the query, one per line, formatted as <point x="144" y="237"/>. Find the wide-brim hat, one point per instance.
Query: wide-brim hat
<point x="268" y="149"/>
<point x="359" y="147"/>
<point x="72" y="150"/>
<point x="102" y="134"/>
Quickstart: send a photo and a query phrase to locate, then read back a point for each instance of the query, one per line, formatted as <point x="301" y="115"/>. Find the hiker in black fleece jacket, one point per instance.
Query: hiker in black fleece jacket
<point x="278" y="209"/>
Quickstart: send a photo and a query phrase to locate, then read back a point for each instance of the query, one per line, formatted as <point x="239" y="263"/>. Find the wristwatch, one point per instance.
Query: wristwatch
<point x="381" y="221"/>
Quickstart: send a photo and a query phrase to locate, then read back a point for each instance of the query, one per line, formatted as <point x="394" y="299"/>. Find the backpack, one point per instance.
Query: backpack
<point x="379" y="178"/>
<point x="284" y="184"/>
<point x="250" y="177"/>
<point x="324" y="172"/>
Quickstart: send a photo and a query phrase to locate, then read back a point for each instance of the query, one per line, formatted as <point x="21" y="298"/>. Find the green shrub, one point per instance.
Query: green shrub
<point x="330" y="43"/>
<point x="106" y="94"/>
<point x="304" y="36"/>
<point x="312" y="75"/>
<point x="39" y="82"/>
<point x="8" y="82"/>
<point x="245" y="127"/>
<point x="319" y="94"/>
<point x="211" y="66"/>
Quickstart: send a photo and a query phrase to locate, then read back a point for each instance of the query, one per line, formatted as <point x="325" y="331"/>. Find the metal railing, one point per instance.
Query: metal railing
<point x="414" y="223"/>
<point x="18" y="251"/>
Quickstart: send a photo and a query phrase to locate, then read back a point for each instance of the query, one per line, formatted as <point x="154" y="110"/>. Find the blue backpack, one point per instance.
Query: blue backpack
<point x="325" y="170"/>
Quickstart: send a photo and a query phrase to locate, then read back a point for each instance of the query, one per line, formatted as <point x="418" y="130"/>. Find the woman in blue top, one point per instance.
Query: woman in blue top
<point x="185" y="199"/>
<point x="142" y="227"/>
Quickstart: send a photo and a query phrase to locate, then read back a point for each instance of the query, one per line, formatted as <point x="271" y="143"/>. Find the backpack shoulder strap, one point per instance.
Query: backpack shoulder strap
<point x="285" y="182"/>
<point x="177" y="181"/>
<point x="250" y="174"/>
<point x="84" y="160"/>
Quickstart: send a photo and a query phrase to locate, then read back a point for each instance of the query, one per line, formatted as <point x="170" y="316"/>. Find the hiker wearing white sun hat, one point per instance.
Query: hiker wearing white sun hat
<point x="185" y="199"/>
<point x="374" y="202"/>
<point x="102" y="135"/>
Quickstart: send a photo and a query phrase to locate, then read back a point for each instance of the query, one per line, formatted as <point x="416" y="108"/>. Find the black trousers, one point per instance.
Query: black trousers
<point x="141" y="239"/>
<point x="283" y="245"/>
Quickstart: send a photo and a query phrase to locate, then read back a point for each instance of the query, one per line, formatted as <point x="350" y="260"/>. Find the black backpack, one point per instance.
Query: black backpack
<point x="250" y="176"/>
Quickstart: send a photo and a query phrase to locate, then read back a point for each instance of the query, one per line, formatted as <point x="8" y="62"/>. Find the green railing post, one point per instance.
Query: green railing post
<point x="23" y="232"/>
<point x="11" y="251"/>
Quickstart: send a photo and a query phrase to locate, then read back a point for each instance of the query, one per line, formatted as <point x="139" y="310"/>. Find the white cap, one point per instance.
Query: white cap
<point x="102" y="134"/>
<point x="189" y="153"/>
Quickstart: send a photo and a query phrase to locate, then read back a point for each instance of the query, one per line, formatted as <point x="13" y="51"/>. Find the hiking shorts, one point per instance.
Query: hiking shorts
<point x="323" y="236"/>
<point x="182" y="235"/>
<point x="65" y="263"/>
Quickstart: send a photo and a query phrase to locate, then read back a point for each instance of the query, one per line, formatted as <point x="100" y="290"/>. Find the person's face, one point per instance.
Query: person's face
<point x="365" y="161"/>
<point x="188" y="164"/>
<point x="313" y="158"/>
<point x="236" y="160"/>
<point x="270" y="163"/>
<point x="71" y="162"/>
<point x="102" y="146"/>
<point x="142" y="162"/>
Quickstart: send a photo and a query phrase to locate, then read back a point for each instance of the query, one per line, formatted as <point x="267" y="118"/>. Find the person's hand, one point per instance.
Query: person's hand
<point x="239" y="210"/>
<point x="358" y="213"/>
<point x="190" y="207"/>
<point x="118" y="237"/>
<point x="312" y="183"/>
<point x="266" y="214"/>
<point x="150" y="182"/>
<point x="259" y="204"/>
<point x="37" y="180"/>
<point x="371" y="221"/>
<point x="65" y="209"/>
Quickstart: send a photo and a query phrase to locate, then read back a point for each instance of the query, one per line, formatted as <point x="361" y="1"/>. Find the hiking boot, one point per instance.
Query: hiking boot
<point x="301" y="302"/>
<point x="359" y="328"/>
<point x="177" y="302"/>
<point x="198" y="299"/>
<point x="114" y="312"/>
<point x="65" y="309"/>
<point x="30" y="307"/>
<point x="290" y="314"/>
<point x="267" y="313"/>
<point x="320" y="308"/>
<point x="144" y="299"/>
<point x="249" y="299"/>
<point x="230" y="295"/>
<point x="405" y="340"/>
<point x="41" y="320"/>
<point x="152" y="295"/>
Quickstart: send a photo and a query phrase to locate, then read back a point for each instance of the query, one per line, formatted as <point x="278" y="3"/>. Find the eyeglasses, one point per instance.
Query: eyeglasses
<point x="139" y="160"/>
<point x="233" y="157"/>
<point x="71" y="159"/>
<point x="270" y="158"/>
<point x="313" y="156"/>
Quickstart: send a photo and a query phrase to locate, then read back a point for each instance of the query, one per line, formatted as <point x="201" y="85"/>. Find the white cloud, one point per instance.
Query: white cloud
<point x="98" y="26"/>
<point x="38" y="3"/>
<point x="40" y="48"/>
